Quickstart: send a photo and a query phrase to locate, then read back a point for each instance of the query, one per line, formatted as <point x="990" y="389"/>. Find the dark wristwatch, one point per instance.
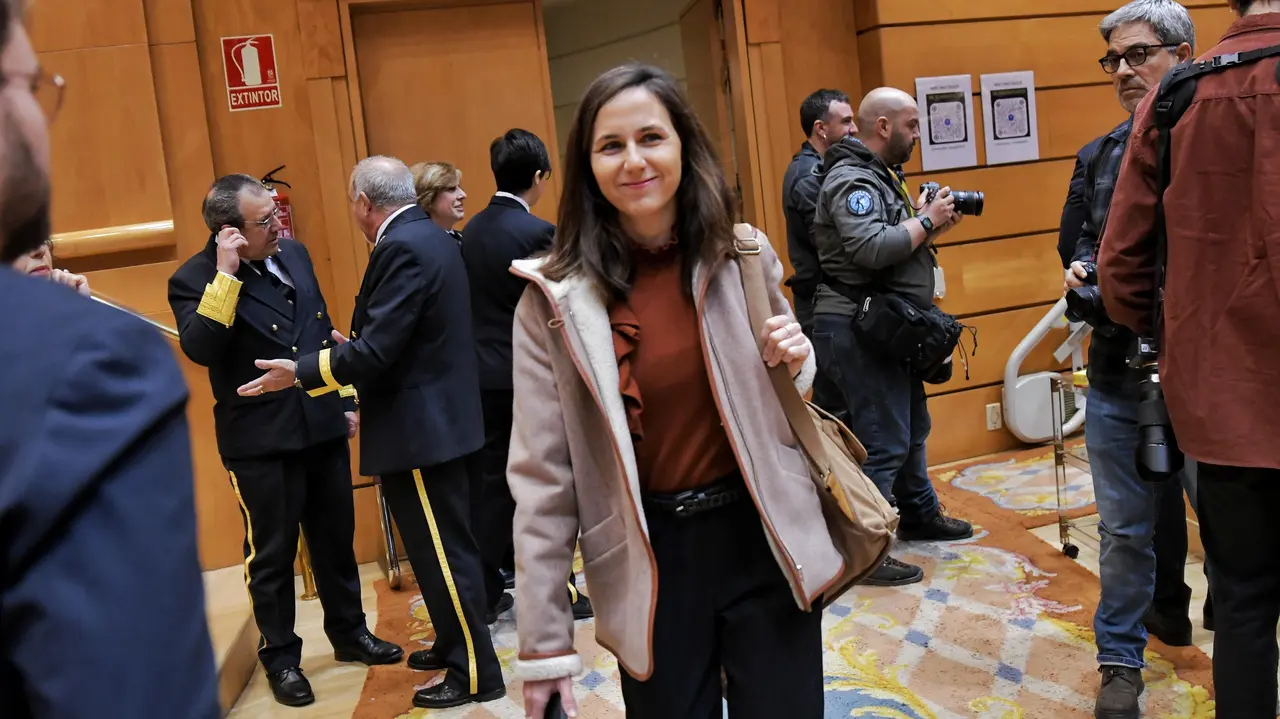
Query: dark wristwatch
<point x="927" y="224"/>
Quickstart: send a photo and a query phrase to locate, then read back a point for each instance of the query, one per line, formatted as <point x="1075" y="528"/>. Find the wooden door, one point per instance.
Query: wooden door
<point x="716" y="75"/>
<point x="440" y="84"/>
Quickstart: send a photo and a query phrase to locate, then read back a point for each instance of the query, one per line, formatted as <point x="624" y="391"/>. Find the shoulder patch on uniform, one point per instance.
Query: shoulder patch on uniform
<point x="860" y="203"/>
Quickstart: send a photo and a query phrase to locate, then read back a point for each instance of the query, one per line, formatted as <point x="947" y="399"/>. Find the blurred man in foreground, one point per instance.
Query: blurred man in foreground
<point x="101" y="599"/>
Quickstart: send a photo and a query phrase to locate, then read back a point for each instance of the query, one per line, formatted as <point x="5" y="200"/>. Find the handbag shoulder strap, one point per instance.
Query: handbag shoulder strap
<point x="753" y="281"/>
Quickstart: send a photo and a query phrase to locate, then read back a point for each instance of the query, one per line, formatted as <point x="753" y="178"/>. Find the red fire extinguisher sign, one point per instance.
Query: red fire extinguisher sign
<point x="249" y="66"/>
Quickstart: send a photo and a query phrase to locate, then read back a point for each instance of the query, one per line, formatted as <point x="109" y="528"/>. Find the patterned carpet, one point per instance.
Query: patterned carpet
<point x="1023" y="483"/>
<point x="999" y="629"/>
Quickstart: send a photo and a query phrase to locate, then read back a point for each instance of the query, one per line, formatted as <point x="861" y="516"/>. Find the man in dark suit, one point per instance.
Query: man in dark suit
<point x="286" y="453"/>
<point x="101" y="599"/>
<point x="501" y="233"/>
<point x="411" y="356"/>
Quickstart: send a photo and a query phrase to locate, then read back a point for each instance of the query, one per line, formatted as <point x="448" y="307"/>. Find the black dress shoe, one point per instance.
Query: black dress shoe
<point x="368" y="649"/>
<point x="290" y="688"/>
<point x="505" y="602"/>
<point x="582" y="607"/>
<point x="893" y="573"/>
<point x="445" y="695"/>
<point x="938" y="528"/>
<point x="425" y="660"/>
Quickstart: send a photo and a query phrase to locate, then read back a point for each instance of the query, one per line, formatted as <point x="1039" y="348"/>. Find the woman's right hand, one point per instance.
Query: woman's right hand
<point x="537" y="694"/>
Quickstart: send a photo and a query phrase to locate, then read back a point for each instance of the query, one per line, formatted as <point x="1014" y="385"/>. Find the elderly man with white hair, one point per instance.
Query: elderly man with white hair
<point x="411" y="358"/>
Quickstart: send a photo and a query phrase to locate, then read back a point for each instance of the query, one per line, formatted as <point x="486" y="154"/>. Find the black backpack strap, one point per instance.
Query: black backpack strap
<point x="1176" y="93"/>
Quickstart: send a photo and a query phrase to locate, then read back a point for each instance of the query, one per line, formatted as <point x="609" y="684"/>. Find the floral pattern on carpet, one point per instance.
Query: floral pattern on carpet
<point x="1024" y="483"/>
<point x="998" y="630"/>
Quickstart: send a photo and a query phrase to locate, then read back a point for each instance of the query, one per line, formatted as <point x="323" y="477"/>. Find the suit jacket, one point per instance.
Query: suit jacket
<point x="497" y="236"/>
<point x="263" y="326"/>
<point x="101" y="599"/>
<point x="1075" y="211"/>
<point x="411" y="355"/>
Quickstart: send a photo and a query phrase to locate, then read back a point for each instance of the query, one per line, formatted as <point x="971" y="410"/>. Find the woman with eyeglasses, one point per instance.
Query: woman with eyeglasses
<point x="39" y="263"/>
<point x="440" y="194"/>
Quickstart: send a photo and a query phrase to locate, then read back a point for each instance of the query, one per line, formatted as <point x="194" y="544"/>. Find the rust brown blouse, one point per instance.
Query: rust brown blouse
<point x="679" y="439"/>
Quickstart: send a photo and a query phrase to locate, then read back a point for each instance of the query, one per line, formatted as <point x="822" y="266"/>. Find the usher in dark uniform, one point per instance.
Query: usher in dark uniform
<point x="412" y="359"/>
<point x="502" y="232"/>
<point x="286" y="452"/>
<point x="101" y="602"/>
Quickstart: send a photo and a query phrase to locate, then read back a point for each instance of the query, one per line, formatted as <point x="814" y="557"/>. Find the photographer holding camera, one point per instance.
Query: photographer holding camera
<point x="1143" y="524"/>
<point x="1196" y="188"/>
<point x="875" y="250"/>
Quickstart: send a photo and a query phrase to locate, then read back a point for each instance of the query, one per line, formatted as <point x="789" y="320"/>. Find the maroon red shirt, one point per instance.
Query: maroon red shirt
<point x="1220" y="364"/>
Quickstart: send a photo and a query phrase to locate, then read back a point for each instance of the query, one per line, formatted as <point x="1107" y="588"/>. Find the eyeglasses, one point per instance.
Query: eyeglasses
<point x="269" y="219"/>
<point x="1135" y="56"/>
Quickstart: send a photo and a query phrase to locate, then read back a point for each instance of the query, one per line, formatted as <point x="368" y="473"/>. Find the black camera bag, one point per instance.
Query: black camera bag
<point x="895" y="328"/>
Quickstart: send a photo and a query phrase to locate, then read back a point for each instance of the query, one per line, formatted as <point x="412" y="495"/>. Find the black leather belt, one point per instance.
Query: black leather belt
<point x="696" y="501"/>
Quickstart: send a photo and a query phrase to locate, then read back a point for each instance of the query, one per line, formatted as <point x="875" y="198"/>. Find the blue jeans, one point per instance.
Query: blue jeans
<point x="1128" y="508"/>
<point x="887" y="412"/>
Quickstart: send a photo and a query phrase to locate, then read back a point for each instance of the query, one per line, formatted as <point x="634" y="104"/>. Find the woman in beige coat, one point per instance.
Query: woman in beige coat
<point x="645" y="421"/>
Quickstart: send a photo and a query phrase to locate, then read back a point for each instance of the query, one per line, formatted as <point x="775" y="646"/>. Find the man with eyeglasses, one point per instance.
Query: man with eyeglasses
<point x="249" y="295"/>
<point x="1142" y="585"/>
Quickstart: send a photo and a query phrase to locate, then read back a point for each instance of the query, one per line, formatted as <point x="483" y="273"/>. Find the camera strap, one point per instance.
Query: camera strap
<point x="1176" y="93"/>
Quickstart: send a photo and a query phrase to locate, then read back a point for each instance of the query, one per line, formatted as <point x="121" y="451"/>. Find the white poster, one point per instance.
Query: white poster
<point x="946" y="122"/>
<point x="1009" y="117"/>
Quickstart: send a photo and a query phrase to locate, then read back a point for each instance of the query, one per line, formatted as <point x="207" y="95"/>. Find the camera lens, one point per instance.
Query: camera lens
<point x="969" y="203"/>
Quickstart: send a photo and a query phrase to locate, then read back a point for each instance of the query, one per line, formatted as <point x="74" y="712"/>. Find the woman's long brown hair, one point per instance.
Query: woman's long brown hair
<point x="589" y="239"/>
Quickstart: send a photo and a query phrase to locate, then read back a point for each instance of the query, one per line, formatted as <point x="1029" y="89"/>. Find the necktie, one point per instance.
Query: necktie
<point x="284" y="289"/>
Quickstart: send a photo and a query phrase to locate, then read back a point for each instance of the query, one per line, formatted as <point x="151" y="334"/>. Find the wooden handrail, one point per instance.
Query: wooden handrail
<point x="107" y="240"/>
<point x="164" y="329"/>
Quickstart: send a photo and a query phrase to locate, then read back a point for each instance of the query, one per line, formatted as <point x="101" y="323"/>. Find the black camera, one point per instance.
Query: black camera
<point x="967" y="202"/>
<point x="1084" y="304"/>
<point x="1158" y="456"/>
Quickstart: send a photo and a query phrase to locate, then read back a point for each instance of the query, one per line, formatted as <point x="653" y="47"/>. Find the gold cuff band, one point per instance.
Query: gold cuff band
<point x="220" y="299"/>
<point x="349" y="391"/>
<point x="326" y="374"/>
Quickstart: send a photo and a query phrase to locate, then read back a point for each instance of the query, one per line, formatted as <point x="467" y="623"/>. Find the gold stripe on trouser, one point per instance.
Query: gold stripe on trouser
<point x="248" y="535"/>
<point x="573" y="593"/>
<point x="448" y="578"/>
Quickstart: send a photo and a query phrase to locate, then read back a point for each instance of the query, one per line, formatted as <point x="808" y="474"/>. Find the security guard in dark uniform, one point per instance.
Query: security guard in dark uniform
<point x="412" y="358"/>
<point x="870" y="240"/>
<point x="246" y="296"/>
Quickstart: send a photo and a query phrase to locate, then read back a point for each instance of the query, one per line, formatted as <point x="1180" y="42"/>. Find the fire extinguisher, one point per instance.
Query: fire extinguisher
<point x="283" y="208"/>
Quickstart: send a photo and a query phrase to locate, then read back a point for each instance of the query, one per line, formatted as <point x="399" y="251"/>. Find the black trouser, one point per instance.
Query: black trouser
<point x="826" y="393"/>
<point x="1238" y="522"/>
<point x="432" y="510"/>
<point x="723" y="602"/>
<point x="1172" y="596"/>
<point x="492" y="507"/>
<point x="276" y="494"/>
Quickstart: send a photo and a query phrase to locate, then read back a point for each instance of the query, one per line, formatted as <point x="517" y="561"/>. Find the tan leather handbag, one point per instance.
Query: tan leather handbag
<point x="861" y="521"/>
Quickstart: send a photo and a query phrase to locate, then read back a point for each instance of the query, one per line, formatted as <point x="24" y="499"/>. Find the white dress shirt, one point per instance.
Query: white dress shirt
<point x="382" y="229"/>
<point x="514" y="197"/>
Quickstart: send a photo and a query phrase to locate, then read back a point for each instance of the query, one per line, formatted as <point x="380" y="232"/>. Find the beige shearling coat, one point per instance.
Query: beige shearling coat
<point x="572" y="467"/>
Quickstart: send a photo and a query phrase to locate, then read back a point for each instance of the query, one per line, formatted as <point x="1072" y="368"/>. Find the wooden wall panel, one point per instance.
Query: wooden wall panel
<point x="256" y="141"/>
<point x="169" y="21"/>
<point x="999" y="274"/>
<point x="1020" y="199"/>
<point x="742" y="106"/>
<point x="819" y="49"/>
<point x="704" y="71"/>
<point x="334" y="166"/>
<point x="1061" y="50"/>
<point x="141" y="288"/>
<point x="321" y="36"/>
<point x="998" y="335"/>
<point x="763" y="21"/>
<point x="960" y="426"/>
<point x="873" y="13"/>
<point x="184" y="131"/>
<point x="78" y="24"/>
<point x="108" y="165"/>
<point x="492" y="49"/>
<point x="772" y="140"/>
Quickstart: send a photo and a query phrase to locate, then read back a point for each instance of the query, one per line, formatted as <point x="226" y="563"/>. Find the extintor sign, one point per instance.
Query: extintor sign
<point x="249" y="65"/>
